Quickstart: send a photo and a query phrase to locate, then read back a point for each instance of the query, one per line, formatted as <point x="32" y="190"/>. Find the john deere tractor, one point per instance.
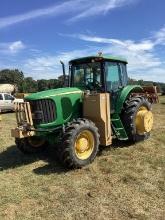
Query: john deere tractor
<point x="96" y="105"/>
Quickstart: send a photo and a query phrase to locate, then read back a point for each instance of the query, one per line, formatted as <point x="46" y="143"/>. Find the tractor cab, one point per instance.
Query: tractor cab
<point x="98" y="73"/>
<point x="102" y="74"/>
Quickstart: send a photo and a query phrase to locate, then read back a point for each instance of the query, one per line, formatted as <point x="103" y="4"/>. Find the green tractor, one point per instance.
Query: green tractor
<point x="96" y="105"/>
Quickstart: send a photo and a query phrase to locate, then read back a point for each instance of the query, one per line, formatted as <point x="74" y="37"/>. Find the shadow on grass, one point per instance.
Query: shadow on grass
<point x="12" y="158"/>
<point x="7" y="112"/>
<point x="120" y="144"/>
<point x="115" y="144"/>
<point x="50" y="168"/>
<point x="53" y="165"/>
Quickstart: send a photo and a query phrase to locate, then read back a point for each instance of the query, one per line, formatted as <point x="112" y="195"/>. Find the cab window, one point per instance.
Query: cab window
<point x="8" y="97"/>
<point x="112" y="76"/>
<point x="1" y="97"/>
<point x="87" y="75"/>
<point x="123" y="72"/>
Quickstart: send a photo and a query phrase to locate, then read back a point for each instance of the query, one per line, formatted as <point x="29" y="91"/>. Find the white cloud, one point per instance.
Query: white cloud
<point x="129" y="44"/>
<point x="95" y="39"/>
<point x="11" y="47"/>
<point x="156" y="74"/>
<point x="16" y="46"/>
<point x="54" y="9"/>
<point x="49" y="66"/>
<point x="160" y="36"/>
<point x="142" y="57"/>
<point x="143" y="61"/>
<point x="81" y="9"/>
<point x="96" y="7"/>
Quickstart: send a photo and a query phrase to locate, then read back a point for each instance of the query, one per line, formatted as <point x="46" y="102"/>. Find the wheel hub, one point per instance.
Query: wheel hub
<point x="84" y="144"/>
<point x="144" y="120"/>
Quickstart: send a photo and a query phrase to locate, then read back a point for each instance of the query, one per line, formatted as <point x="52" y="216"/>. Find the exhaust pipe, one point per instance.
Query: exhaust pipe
<point x="64" y="74"/>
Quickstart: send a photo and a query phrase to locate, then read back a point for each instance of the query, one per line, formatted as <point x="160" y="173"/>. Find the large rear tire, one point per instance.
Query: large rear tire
<point x="30" y="145"/>
<point x="137" y="118"/>
<point x="79" y="144"/>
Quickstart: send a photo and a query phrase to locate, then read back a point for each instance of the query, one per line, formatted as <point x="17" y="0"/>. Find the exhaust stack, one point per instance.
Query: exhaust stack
<point x="64" y="74"/>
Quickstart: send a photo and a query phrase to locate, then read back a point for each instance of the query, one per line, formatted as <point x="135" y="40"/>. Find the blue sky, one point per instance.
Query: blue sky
<point x="36" y="35"/>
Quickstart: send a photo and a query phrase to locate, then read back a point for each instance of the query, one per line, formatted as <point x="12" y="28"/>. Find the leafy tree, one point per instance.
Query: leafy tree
<point x="42" y="84"/>
<point x="29" y="85"/>
<point x="15" y="77"/>
<point x="54" y="83"/>
<point x="162" y="86"/>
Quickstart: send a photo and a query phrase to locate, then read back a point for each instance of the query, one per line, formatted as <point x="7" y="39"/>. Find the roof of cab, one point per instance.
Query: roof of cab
<point x="105" y="57"/>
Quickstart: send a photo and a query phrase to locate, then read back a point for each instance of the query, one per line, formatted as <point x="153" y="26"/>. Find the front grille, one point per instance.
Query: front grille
<point x="43" y="111"/>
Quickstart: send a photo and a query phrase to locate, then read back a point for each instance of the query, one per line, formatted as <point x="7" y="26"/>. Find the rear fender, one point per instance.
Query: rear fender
<point x="124" y="93"/>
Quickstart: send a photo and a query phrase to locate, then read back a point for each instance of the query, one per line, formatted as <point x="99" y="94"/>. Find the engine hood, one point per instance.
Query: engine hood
<point x="53" y="93"/>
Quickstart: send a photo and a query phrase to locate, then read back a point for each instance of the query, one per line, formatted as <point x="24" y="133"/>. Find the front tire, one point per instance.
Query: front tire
<point x="137" y="118"/>
<point x="30" y="145"/>
<point x="79" y="144"/>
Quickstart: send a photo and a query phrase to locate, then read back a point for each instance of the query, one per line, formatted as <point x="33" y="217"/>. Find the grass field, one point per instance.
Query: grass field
<point x="124" y="182"/>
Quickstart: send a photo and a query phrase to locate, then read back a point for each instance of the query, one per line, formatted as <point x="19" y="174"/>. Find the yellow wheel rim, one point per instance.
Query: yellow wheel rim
<point x="36" y="141"/>
<point x="84" y="144"/>
<point x="144" y="120"/>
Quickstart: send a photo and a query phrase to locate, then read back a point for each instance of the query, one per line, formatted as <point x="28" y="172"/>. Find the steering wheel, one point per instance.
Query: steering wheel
<point x="92" y="85"/>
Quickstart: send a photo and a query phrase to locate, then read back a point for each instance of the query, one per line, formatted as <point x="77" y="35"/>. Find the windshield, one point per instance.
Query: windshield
<point x="87" y="75"/>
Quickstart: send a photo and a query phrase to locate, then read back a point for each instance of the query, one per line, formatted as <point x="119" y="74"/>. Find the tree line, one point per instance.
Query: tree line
<point x="30" y="85"/>
<point x="160" y="86"/>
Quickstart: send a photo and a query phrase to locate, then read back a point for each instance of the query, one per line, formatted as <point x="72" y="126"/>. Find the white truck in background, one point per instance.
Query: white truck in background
<point x="7" y="100"/>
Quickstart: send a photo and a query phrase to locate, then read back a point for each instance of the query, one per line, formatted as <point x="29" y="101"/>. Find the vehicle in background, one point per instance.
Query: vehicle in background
<point x="7" y="102"/>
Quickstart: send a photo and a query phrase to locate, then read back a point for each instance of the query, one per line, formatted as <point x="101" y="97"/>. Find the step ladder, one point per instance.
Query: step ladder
<point x="118" y="127"/>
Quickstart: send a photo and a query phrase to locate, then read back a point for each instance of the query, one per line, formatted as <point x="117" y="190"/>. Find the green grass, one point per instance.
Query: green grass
<point x="124" y="182"/>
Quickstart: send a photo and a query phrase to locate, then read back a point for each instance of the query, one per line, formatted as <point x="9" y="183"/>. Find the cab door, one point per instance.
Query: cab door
<point x="113" y="81"/>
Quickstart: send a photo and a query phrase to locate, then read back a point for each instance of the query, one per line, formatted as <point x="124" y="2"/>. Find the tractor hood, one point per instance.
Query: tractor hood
<point x="53" y="93"/>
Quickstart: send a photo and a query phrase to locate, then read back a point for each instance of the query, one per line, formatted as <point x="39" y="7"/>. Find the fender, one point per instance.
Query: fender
<point x="123" y="94"/>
